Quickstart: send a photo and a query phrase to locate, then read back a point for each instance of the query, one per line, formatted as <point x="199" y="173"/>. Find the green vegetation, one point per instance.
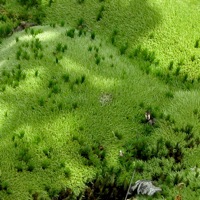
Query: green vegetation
<point x="74" y="92"/>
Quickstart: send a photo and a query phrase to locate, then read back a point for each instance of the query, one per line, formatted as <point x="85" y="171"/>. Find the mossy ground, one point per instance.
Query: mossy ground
<point x="65" y="90"/>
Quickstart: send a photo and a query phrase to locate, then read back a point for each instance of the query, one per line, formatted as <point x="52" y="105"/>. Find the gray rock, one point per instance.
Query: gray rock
<point x="144" y="187"/>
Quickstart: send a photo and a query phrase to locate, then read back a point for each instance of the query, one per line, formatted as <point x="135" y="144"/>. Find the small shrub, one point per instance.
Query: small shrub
<point x="59" y="47"/>
<point x="70" y="33"/>
<point x="100" y="14"/>
<point x="92" y="35"/>
<point x="31" y="166"/>
<point x="50" y="2"/>
<point x="193" y="58"/>
<point x="82" y="79"/>
<point x="41" y="101"/>
<point x="18" y="54"/>
<point x="47" y="152"/>
<point x="90" y="48"/>
<point x="169" y="94"/>
<point x="181" y="62"/>
<point x="67" y="172"/>
<point x="137" y="51"/>
<point x="65" y="77"/>
<point x="97" y="61"/>
<point x="185" y="77"/>
<point x="36" y="73"/>
<point x="85" y="152"/>
<point x="25" y="55"/>
<point x="19" y="167"/>
<point x="113" y="36"/>
<point x="177" y="72"/>
<point x="60" y="106"/>
<point x="21" y="134"/>
<point x="170" y="67"/>
<point x="196" y="44"/>
<point x="62" y="164"/>
<point x="74" y="105"/>
<point x="45" y="164"/>
<point x="195" y="111"/>
<point x="62" y="23"/>
<point x="24" y="155"/>
<point x="30" y="3"/>
<point x="80" y="1"/>
<point x="123" y="48"/>
<point x="64" y="48"/>
<point x="57" y="60"/>
<point x="80" y="23"/>
<point x="118" y="135"/>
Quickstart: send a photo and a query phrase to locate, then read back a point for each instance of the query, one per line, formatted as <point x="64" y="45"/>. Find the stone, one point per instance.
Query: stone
<point x="144" y="187"/>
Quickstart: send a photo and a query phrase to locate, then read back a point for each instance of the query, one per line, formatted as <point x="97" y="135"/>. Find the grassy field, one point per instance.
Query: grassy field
<point x="74" y="91"/>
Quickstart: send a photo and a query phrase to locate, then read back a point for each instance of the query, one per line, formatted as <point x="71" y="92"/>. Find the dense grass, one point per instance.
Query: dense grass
<point x="73" y="96"/>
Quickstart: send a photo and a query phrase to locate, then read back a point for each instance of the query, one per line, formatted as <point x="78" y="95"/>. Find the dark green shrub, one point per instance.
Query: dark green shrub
<point x="74" y="105"/>
<point x="82" y="80"/>
<point x="80" y="1"/>
<point x="30" y="3"/>
<point x="59" y="47"/>
<point x="36" y="73"/>
<point x="30" y="166"/>
<point x="97" y="61"/>
<point x="195" y="111"/>
<point x="52" y="83"/>
<point x="47" y="152"/>
<point x="80" y="23"/>
<point x="19" y="167"/>
<point x="193" y="58"/>
<point x="24" y="155"/>
<point x="123" y="48"/>
<point x="170" y="67"/>
<point x="67" y="172"/>
<point x="64" y="47"/>
<point x="62" y="164"/>
<point x="177" y="72"/>
<point x="85" y="152"/>
<point x="137" y="51"/>
<point x="113" y="36"/>
<point x="2" y="2"/>
<point x="70" y="33"/>
<point x="3" y="185"/>
<point x="21" y="134"/>
<point x="90" y="48"/>
<point x="18" y="54"/>
<point x="118" y="135"/>
<point x="62" y="23"/>
<point x="185" y="77"/>
<point x="100" y="13"/>
<point x="25" y="55"/>
<point x="65" y="77"/>
<point x="93" y="35"/>
<point x="196" y="44"/>
<point x="45" y="164"/>
<point x="60" y="106"/>
<point x="5" y="30"/>
<point x="50" y="2"/>
<point x="181" y="62"/>
<point x="41" y="101"/>
<point x="169" y="94"/>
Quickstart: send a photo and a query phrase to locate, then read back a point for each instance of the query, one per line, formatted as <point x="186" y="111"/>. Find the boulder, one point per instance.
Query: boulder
<point x="144" y="187"/>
